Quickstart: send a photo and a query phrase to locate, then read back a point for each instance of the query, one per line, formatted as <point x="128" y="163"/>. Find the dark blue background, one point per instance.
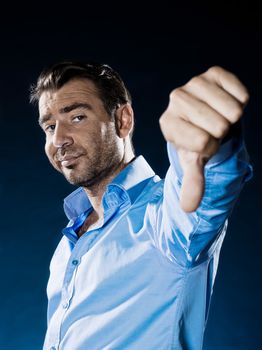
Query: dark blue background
<point x="155" y="50"/>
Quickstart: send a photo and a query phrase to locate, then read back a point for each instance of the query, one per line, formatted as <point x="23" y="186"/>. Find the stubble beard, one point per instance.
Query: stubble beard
<point x="96" y="168"/>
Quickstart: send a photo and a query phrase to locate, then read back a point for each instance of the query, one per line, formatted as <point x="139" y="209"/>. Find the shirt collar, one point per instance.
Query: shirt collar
<point x="131" y="180"/>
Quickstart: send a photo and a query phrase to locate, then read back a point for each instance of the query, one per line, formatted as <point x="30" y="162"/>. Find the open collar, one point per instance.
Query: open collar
<point x="128" y="180"/>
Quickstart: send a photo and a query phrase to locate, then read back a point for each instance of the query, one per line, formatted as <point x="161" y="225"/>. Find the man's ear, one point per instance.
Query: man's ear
<point x="124" y="119"/>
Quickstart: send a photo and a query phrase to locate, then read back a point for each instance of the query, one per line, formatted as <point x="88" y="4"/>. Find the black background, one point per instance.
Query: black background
<point x="155" y="49"/>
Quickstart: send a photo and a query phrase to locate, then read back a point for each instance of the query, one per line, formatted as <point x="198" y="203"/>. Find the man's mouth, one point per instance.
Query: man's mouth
<point x="69" y="160"/>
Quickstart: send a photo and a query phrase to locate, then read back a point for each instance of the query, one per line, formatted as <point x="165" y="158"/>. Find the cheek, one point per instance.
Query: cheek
<point x="50" y="152"/>
<point x="48" y="149"/>
<point x="104" y="130"/>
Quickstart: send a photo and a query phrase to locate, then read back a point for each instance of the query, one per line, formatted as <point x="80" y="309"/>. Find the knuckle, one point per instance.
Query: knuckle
<point x="172" y="94"/>
<point x="163" y="119"/>
<point x="201" y="109"/>
<point x="176" y="94"/>
<point x="197" y="81"/>
<point x="215" y="70"/>
<point x="236" y="113"/>
<point x="201" y="141"/>
<point x="245" y="97"/>
<point x="222" y="128"/>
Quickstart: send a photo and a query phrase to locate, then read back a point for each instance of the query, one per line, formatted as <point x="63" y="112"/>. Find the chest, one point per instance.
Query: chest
<point x="89" y="223"/>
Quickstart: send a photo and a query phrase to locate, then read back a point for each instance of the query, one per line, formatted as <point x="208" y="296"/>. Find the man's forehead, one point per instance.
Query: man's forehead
<point x="75" y="90"/>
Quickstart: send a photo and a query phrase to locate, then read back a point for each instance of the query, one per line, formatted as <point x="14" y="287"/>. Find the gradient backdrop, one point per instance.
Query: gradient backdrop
<point x="155" y="50"/>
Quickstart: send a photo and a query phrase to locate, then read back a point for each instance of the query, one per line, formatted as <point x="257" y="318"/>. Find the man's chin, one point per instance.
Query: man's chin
<point x="75" y="180"/>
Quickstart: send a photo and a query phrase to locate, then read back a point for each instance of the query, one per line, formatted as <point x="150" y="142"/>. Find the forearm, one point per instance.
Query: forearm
<point x="191" y="236"/>
<point x="225" y="173"/>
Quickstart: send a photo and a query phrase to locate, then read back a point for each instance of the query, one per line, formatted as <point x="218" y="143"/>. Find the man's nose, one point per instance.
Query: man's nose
<point x="61" y="136"/>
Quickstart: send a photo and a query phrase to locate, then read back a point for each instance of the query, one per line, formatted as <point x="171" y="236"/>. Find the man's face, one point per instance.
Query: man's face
<point x="81" y="138"/>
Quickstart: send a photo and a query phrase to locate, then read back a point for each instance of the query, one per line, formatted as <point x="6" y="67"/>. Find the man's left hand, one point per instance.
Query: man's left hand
<point x="198" y="117"/>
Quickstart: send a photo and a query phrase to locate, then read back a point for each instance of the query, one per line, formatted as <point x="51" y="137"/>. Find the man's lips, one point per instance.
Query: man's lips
<point x="69" y="160"/>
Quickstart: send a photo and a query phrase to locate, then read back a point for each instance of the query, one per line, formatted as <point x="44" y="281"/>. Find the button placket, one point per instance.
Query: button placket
<point x="75" y="262"/>
<point x="65" y="305"/>
<point x="69" y="284"/>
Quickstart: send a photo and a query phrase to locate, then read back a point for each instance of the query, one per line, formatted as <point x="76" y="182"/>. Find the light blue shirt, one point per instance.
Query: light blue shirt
<point x="142" y="279"/>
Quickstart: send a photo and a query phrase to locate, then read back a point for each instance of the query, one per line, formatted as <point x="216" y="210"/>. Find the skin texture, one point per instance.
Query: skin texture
<point x="82" y="141"/>
<point x="198" y="117"/>
<point x="90" y="147"/>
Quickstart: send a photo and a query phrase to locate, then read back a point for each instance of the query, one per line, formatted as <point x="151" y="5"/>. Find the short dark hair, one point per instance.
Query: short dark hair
<point x="110" y="86"/>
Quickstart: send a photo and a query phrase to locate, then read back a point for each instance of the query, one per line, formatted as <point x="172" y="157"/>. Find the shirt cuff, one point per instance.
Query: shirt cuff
<point x="232" y="143"/>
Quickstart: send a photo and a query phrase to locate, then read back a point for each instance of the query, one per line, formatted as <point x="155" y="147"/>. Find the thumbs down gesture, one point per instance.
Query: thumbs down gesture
<point x="198" y="117"/>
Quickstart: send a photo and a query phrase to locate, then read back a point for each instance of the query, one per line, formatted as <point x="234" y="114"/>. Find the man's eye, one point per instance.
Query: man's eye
<point x="78" y="118"/>
<point x="50" y="128"/>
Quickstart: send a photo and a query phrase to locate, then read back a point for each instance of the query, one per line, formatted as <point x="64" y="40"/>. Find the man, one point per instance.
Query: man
<point x="137" y="262"/>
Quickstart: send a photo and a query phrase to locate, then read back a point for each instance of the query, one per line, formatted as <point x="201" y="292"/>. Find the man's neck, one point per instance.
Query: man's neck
<point x="95" y="193"/>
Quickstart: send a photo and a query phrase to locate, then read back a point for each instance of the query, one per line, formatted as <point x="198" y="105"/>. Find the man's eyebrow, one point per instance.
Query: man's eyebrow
<point x="43" y="119"/>
<point x="75" y="105"/>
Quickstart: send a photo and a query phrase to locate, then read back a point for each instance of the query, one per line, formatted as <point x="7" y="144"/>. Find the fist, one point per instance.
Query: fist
<point x="198" y="117"/>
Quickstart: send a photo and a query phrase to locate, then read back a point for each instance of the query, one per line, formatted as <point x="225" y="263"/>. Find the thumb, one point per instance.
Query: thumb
<point x="193" y="184"/>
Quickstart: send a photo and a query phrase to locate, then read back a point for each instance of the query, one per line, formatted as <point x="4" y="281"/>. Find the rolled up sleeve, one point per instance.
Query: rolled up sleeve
<point x="190" y="238"/>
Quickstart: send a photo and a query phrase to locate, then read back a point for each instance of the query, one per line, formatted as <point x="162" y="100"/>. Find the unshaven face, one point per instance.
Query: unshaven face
<point x="81" y="138"/>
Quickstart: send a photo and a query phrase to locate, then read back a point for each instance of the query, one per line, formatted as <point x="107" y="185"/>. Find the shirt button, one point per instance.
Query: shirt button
<point x="75" y="262"/>
<point x="65" y="305"/>
<point x="52" y="348"/>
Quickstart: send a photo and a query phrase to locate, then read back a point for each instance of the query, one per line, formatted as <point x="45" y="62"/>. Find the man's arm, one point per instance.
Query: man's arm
<point x="208" y="165"/>
<point x="199" y="116"/>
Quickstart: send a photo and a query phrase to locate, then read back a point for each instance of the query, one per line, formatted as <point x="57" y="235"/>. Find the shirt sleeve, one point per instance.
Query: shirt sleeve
<point x="190" y="238"/>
